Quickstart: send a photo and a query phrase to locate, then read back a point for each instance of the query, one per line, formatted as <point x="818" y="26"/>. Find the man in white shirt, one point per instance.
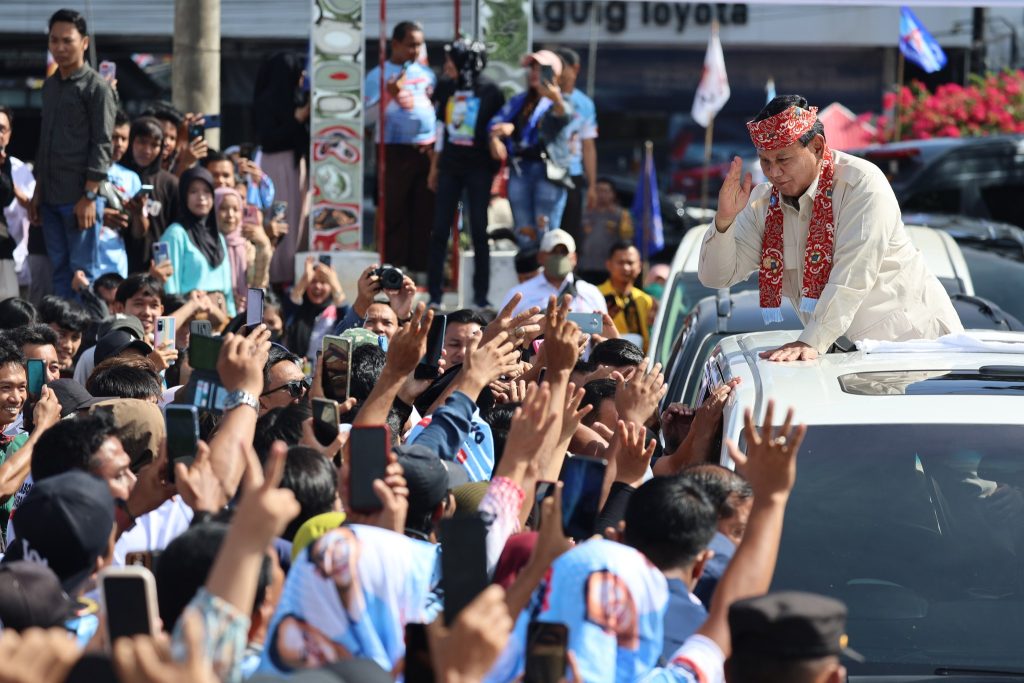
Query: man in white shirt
<point x="826" y="232"/>
<point x="557" y="256"/>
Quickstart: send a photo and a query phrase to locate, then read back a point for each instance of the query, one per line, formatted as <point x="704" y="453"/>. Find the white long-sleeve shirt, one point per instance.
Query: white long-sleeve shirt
<point x="880" y="286"/>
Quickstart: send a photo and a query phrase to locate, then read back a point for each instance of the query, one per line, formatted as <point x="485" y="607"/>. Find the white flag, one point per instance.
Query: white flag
<point x="713" y="91"/>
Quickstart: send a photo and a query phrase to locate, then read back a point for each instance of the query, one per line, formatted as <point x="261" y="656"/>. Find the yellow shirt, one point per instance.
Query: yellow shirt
<point x="629" y="311"/>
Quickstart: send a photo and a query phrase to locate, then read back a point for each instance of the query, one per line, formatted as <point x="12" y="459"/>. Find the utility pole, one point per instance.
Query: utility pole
<point x="195" y="69"/>
<point x="978" y="46"/>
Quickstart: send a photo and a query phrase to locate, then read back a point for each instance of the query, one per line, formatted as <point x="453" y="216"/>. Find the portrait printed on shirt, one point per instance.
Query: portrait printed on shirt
<point x="460" y="117"/>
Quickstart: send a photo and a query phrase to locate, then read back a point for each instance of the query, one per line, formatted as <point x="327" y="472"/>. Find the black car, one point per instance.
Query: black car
<point x="1000" y="238"/>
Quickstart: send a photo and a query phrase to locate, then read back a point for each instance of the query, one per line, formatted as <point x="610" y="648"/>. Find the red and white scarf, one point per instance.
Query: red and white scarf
<point x="776" y="132"/>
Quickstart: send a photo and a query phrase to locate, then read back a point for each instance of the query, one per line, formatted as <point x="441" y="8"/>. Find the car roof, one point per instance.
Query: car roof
<point x="813" y="388"/>
<point x="936" y="145"/>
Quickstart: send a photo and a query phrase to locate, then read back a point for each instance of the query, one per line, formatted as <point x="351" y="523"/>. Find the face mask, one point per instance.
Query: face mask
<point x="557" y="265"/>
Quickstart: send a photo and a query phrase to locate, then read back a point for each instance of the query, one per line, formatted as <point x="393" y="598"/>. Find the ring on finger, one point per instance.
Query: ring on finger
<point x="779" y="441"/>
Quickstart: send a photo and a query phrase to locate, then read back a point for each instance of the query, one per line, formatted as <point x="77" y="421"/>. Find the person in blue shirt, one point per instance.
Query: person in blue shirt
<point x="112" y="256"/>
<point x="409" y="134"/>
<point x="197" y="250"/>
<point x="582" y="133"/>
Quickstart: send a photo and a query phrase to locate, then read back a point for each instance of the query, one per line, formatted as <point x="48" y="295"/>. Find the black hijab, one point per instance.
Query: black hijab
<point x="202" y="230"/>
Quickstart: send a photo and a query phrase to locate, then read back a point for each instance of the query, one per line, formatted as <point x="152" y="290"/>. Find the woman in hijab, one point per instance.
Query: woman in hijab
<point x="145" y="145"/>
<point x="314" y="308"/>
<point x="228" y="205"/>
<point x="197" y="249"/>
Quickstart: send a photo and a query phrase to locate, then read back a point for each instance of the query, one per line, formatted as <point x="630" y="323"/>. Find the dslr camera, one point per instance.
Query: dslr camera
<point x="390" y="277"/>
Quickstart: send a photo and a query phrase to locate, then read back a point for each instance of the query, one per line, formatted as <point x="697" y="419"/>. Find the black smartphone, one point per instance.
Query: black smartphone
<point x="582" y="481"/>
<point x="427" y="367"/>
<point x="36" y="378"/>
<point x="145" y="191"/>
<point x="195" y="131"/>
<point x="253" y="307"/>
<point x="182" y="436"/>
<point x="200" y="328"/>
<point x="547" y="73"/>
<point x="368" y="448"/>
<point x="325" y="420"/>
<point x="336" y="379"/>
<point x="128" y="601"/>
<point x="325" y="259"/>
<point x="203" y="352"/>
<point x="463" y="562"/>
<point x="211" y="120"/>
<point x="418" y="666"/>
<point x="547" y="652"/>
<point x="542" y="490"/>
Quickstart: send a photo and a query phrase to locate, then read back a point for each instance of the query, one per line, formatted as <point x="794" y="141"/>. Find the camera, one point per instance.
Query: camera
<point x="390" y="277"/>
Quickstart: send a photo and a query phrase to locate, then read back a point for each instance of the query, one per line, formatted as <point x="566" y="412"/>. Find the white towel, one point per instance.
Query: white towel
<point x="957" y="343"/>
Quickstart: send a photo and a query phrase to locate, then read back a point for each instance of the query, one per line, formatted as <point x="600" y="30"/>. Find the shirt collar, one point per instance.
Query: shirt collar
<point x="77" y="73"/>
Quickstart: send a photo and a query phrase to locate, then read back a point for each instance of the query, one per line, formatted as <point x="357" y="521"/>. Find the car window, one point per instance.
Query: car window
<point x="675" y="313"/>
<point x="1003" y="201"/>
<point x="997" y="278"/>
<point x="946" y="200"/>
<point x="919" y="530"/>
<point x="695" y="291"/>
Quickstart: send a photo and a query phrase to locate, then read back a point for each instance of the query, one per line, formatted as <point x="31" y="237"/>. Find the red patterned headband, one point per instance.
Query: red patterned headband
<point x="783" y="129"/>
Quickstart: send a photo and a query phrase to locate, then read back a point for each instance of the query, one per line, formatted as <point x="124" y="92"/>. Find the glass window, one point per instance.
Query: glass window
<point x="1001" y="381"/>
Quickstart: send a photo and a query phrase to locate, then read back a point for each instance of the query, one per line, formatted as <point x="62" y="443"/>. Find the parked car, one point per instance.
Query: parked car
<point x="1000" y="238"/>
<point x="909" y="498"/>
<point x="981" y="177"/>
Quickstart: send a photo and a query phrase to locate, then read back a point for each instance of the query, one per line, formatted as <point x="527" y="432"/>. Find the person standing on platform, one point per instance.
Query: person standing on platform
<point x="582" y="134"/>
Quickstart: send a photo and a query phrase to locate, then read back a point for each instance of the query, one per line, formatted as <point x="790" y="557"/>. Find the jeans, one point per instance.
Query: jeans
<point x="450" y="186"/>
<point x="69" y="248"/>
<point x="537" y="203"/>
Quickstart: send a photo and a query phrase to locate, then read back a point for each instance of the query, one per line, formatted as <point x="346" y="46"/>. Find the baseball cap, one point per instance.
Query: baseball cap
<point x="789" y="626"/>
<point x="116" y="342"/>
<point x="360" y="336"/>
<point x="426" y="475"/>
<point x="313" y="528"/>
<point x="544" y="58"/>
<point x="553" y="238"/>
<point x="140" y="427"/>
<point x="65" y="523"/>
<point x="31" y="596"/>
<point x="122" y="321"/>
<point x="72" y="396"/>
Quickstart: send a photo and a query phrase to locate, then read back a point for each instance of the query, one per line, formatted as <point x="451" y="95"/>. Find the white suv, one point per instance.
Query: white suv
<point x="909" y="500"/>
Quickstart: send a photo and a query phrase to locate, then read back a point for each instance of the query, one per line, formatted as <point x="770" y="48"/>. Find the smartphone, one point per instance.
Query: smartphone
<point x="463" y="562"/>
<point x="336" y="379"/>
<point x="195" y="131"/>
<point x="108" y="70"/>
<point x="161" y="253"/>
<point x="182" y="436"/>
<point x="589" y="323"/>
<point x="128" y="602"/>
<point x="542" y="490"/>
<point x="145" y="191"/>
<point x="325" y="259"/>
<point x="203" y="351"/>
<point x="278" y="211"/>
<point x="428" y="365"/>
<point x="165" y="331"/>
<point x="547" y="73"/>
<point x="547" y="652"/>
<point x="36" y="378"/>
<point x="200" y="328"/>
<point x="254" y="307"/>
<point x="418" y="666"/>
<point x="251" y="214"/>
<point x="582" y="481"/>
<point x="325" y="420"/>
<point x="368" y="448"/>
<point x="211" y="120"/>
<point x="142" y="558"/>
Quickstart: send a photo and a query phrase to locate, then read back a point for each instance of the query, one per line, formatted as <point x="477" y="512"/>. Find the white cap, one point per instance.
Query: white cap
<point x="552" y="238"/>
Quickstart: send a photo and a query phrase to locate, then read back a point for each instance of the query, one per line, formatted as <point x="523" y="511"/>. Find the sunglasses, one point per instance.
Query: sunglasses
<point x="297" y="388"/>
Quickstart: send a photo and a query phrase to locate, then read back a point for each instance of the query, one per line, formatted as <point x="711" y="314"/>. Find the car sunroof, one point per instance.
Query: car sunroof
<point x="987" y="381"/>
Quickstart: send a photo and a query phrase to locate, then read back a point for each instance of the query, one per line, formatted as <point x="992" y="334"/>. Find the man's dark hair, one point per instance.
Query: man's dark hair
<point x="108" y="281"/>
<point x="526" y="261"/>
<point x="4" y="109"/>
<point x="366" y="366"/>
<point x="69" y="16"/>
<point x="71" y="444"/>
<point x="404" y="28"/>
<point x="719" y="484"/>
<point x="620" y="245"/>
<point x="783" y="102"/>
<point x="278" y="354"/>
<point x="499" y="417"/>
<point x="10" y="353"/>
<point x="213" y="156"/>
<point x="595" y="391"/>
<point x="313" y="480"/>
<point x="121" y="119"/>
<point x="185" y="565"/>
<point x="36" y="335"/>
<point x="569" y="56"/>
<point x="54" y="310"/>
<point x="123" y="378"/>
<point x="165" y="112"/>
<point x="15" y="313"/>
<point x="670" y="520"/>
<point x="464" y="316"/>
<point x="139" y="283"/>
<point x="284" y="423"/>
<point x="753" y="669"/>
<point x="147" y="127"/>
<point x="618" y="353"/>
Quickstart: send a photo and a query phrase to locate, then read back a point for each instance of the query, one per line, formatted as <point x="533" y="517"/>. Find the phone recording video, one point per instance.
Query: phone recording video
<point x="418" y="665"/>
<point x="547" y="73"/>
<point x="254" y="307"/>
<point x="428" y="366"/>
<point x="325" y="420"/>
<point x="36" y="369"/>
<point x="463" y="562"/>
<point x="368" y="449"/>
<point x="182" y="436"/>
<point x="337" y="355"/>
<point x="196" y="131"/>
<point x="547" y="652"/>
<point x="203" y="351"/>
<point x="128" y="602"/>
<point x="582" y="481"/>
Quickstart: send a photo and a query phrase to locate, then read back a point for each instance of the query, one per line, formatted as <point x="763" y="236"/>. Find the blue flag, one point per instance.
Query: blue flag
<point x="917" y="44"/>
<point x="649" y="235"/>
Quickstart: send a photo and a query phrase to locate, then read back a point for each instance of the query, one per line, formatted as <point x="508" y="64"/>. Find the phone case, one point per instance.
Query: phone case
<point x="149" y="603"/>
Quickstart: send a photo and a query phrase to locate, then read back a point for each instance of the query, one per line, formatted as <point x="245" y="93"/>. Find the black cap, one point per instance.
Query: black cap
<point x="789" y="625"/>
<point x="31" y="596"/>
<point x="426" y="476"/>
<point x="65" y="523"/>
<point x="116" y="342"/>
<point x="122" y="321"/>
<point x="526" y="261"/>
<point x="72" y="396"/>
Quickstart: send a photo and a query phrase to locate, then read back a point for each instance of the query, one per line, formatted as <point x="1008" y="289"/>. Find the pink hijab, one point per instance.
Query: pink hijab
<point x="236" y="244"/>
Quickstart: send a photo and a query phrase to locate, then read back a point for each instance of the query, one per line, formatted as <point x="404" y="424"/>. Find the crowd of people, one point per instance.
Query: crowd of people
<point x="521" y="507"/>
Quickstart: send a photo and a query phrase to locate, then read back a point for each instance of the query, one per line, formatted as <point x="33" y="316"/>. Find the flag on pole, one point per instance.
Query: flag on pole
<point x="649" y="236"/>
<point x="769" y="90"/>
<point x="713" y="91"/>
<point x="917" y="44"/>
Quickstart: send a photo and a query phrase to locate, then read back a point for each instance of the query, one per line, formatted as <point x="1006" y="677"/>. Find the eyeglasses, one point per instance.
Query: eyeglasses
<point x="297" y="388"/>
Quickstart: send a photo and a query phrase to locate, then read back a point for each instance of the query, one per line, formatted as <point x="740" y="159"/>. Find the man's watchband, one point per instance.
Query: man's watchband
<point x="241" y="398"/>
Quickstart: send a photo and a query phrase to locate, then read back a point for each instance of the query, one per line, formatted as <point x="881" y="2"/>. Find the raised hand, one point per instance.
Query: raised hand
<point x="769" y="464"/>
<point x="632" y="454"/>
<point x="485" y="363"/>
<point x="733" y="196"/>
<point x="561" y="337"/>
<point x="409" y="343"/>
<point x="573" y="415"/>
<point x="197" y="483"/>
<point x="531" y="423"/>
<point x="241" y="361"/>
<point x="522" y="326"/>
<point x="637" y="399"/>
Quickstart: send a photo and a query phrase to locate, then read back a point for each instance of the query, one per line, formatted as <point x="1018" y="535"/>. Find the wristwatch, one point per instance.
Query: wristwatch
<point x="241" y="398"/>
<point x="91" y="195"/>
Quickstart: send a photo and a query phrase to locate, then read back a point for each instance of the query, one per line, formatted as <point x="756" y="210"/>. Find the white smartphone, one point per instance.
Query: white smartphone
<point x="589" y="323"/>
<point x="165" y="332"/>
<point x="128" y="602"/>
<point x="108" y="70"/>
